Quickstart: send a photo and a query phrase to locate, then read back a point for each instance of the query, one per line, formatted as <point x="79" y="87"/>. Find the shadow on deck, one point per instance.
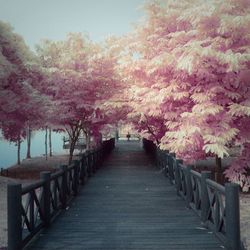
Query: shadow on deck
<point x="128" y="204"/>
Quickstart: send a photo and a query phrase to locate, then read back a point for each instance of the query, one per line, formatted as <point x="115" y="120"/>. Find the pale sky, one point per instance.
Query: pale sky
<point x="53" y="19"/>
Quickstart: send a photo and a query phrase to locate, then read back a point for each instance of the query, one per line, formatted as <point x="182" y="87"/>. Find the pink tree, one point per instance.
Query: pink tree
<point x="81" y="75"/>
<point x="190" y="64"/>
<point x="20" y="103"/>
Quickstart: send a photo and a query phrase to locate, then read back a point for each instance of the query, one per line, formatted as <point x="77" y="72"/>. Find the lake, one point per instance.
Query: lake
<point x="8" y="151"/>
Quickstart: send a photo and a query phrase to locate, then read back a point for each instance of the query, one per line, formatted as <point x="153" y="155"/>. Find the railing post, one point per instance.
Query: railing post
<point x="64" y="186"/>
<point x="171" y="167"/>
<point x="188" y="184"/>
<point x="14" y="203"/>
<point x="232" y="216"/>
<point x="166" y="163"/>
<point x="83" y="173"/>
<point x="76" y="177"/>
<point x="204" y="195"/>
<point x="45" y="176"/>
<point x="178" y="176"/>
<point x="86" y="166"/>
<point x="88" y="161"/>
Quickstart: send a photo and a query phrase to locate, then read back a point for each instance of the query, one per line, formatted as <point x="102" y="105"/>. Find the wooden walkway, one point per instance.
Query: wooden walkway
<point x="128" y="204"/>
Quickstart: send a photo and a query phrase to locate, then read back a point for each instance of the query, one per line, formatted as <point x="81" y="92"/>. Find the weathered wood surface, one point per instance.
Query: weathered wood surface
<point x="128" y="204"/>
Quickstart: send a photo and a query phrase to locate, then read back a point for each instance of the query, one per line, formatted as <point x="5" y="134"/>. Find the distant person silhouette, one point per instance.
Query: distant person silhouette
<point x="128" y="136"/>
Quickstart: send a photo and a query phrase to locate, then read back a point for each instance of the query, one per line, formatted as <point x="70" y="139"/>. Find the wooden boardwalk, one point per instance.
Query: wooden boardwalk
<point x="128" y="204"/>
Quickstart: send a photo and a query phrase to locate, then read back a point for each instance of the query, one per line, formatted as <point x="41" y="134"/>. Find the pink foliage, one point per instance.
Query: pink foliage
<point x="185" y="81"/>
<point x="191" y="72"/>
<point x="240" y="169"/>
<point x="81" y="78"/>
<point x="20" y="102"/>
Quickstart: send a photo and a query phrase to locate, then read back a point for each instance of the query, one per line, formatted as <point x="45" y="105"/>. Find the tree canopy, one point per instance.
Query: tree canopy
<point x="181" y="77"/>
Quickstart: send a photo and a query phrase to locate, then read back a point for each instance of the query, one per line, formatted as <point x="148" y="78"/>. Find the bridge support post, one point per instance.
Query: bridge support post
<point x="233" y="216"/>
<point x="188" y="185"/>
<point x="14" y="217"/>
<point x="204" y="196"/>
<point x="45" y="176"/>
<point x="64" y="187"/>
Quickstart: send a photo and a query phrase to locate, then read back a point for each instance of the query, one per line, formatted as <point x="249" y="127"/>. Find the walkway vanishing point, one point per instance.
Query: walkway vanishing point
<point x="128" y="204"/>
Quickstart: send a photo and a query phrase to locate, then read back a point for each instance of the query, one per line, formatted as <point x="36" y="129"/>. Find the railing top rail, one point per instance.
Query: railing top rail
<point x="216" y="186"/>
<point x="195" y="173"/>
<point x="57" y="174"/>
<point x="70" y="167"/>
<point x="26" y="189"/>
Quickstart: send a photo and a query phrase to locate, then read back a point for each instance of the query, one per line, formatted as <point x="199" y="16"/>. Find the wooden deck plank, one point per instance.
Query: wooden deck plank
<point x="128" y="204"/>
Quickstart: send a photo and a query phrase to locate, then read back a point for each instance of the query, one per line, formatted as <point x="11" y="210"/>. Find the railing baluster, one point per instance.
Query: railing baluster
<point x="165" y="163"/>
<point x="31" y="215"/>
<point x="188" y="185"/>
<point x="83" y="170"/>
<point x="217" y="212"/>
<point x="178" y="175"/>
<point x="171" y="167"/>
<point x="55" y="193"/>
<point x="45" y="176"/>
<point x="204" y="195"/>
<point x="75" y="177"/>
<point x="64" y="185"/>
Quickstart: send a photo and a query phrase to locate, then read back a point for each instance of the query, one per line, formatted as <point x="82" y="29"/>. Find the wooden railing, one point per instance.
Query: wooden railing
<point x="35" y="206"/>
<point x="216" y="205"/>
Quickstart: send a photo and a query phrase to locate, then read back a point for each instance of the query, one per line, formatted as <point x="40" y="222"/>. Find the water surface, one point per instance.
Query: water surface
<point x="8" y="151"/>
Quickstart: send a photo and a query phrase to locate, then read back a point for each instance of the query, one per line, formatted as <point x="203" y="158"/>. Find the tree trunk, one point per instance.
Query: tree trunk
<point x="218" y="170"/>
<point x="50" y="143"/>
<point x="18" y="151"/>
<point x="73" y="133"/>
<point x="46" y="143"/>
<point x="71" y="150"/>
<point x="28" y="156"/>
